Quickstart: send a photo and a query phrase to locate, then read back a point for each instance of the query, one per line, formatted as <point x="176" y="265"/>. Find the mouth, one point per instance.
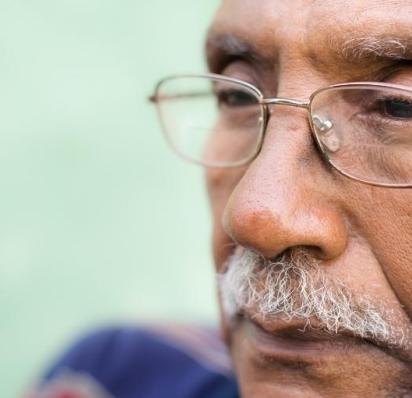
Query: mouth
<point x="297" y="341"/>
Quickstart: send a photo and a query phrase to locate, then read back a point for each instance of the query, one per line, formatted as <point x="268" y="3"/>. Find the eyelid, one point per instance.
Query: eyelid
<point x="390" y="73"/>
<point x="241" y="70"/>
<point x="225" y="61"/>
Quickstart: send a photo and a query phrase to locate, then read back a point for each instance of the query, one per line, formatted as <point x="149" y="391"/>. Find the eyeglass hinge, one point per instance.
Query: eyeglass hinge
<point x="152" y="98"/>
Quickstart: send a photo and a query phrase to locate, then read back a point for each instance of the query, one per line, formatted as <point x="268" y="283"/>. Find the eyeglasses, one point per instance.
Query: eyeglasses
<point x="363" y="130"/>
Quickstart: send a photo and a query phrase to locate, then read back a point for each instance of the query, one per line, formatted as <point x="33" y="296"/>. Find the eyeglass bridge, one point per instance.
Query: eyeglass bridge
<point x="285" y="101"/>
<point x="328" y="136"/>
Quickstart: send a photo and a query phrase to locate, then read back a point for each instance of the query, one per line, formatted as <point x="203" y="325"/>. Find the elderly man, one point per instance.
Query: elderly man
<point x="304" y="127"/>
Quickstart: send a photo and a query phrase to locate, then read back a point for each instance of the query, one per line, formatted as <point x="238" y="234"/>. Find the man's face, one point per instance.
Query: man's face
<point x="288" y="206"/>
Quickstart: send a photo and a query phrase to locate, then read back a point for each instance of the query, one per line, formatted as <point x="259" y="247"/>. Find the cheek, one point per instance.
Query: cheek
<point x="388" y="229"/>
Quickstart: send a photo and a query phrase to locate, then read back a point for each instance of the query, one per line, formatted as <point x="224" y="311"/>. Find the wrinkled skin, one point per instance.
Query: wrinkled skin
<point x="288" y="197"/>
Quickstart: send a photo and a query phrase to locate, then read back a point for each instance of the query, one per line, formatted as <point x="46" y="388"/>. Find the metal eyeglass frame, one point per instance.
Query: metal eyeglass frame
<point x="265" y="103"/>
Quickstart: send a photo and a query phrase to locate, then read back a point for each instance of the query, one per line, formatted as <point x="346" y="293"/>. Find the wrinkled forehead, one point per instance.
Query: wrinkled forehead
<point x="317" y="28"/>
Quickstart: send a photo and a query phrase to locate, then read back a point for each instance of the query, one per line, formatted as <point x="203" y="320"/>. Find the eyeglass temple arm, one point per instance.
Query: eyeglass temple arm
<point x="154" y="98"/>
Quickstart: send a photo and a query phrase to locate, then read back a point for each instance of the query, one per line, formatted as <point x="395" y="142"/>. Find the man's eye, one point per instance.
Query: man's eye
<point x="235" y="98"/>
<point x="396" y="108"/>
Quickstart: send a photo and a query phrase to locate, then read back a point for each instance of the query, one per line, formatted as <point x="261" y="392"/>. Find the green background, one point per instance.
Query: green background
<point x="99" y="222"/>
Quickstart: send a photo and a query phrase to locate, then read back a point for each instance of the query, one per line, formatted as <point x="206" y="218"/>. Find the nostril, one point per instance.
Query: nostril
<point x="316" y="252"/>
<point x="303" y="256"/>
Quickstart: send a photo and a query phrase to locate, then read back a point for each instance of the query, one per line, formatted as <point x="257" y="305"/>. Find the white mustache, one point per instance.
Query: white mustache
<point x="296" y="287"/>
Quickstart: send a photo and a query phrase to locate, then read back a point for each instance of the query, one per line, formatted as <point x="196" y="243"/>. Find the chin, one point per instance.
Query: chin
<point x="284" y="358"/>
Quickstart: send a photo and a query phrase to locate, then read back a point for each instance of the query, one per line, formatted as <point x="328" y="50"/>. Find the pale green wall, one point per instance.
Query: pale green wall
<point x="99" y="222"/>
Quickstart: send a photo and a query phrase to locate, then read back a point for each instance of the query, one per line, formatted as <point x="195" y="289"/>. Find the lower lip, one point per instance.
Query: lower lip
<point x="295" y="345"/>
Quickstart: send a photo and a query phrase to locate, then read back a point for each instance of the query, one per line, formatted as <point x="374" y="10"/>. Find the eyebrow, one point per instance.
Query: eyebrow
<point x="223" y="48"/>
<point x="374" y="48"/>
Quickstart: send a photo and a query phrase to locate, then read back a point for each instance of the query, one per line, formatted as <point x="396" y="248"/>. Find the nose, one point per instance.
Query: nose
<point x="287" y="198"/>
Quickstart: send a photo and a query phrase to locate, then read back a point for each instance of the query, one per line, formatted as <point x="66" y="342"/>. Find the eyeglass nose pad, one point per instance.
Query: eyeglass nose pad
<point x="329" y="136"/>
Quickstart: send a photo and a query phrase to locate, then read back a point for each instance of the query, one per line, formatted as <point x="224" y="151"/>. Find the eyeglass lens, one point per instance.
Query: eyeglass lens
<point x="365" y="131"/>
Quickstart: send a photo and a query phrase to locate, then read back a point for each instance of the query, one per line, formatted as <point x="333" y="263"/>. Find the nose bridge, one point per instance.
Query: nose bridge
<point x="280" y="202"/>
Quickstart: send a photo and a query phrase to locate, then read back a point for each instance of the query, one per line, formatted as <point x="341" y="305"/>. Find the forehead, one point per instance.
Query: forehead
<point x="312" y="15"/>
<point x="313" y="25"/>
